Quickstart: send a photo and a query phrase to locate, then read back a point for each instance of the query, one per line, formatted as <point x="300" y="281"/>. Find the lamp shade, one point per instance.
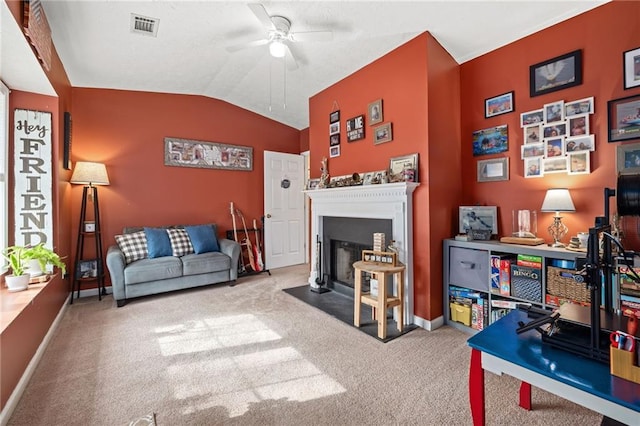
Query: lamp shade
<point x="558" y="200"/>
<point x="87" y="173"/>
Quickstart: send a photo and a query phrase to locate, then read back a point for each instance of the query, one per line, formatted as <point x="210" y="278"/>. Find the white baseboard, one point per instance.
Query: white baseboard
<point x="7" y="411"/>
<point x="429" y="325"/>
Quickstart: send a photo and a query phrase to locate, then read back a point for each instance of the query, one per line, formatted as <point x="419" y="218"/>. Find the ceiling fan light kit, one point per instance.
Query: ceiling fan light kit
<point x="277" y="49"/>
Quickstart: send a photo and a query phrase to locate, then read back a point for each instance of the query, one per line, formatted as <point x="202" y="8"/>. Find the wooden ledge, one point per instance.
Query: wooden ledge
<point x="13" y="303"/>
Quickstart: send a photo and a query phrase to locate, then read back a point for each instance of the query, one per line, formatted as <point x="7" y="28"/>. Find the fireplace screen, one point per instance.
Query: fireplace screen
<point x="343" y="255"/>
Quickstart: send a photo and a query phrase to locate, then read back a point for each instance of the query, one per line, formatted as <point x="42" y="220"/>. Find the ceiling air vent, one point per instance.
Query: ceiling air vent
<point x="144" y="25"/>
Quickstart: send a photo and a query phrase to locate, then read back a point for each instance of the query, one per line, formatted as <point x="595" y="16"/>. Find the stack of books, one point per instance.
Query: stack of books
<point x="476" y="301"/>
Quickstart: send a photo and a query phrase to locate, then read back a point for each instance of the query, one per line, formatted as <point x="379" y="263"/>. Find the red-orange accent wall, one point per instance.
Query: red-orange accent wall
<point x="126" y="131"/>
<point x="418" y="85"/>
<point x="602" y="34"/>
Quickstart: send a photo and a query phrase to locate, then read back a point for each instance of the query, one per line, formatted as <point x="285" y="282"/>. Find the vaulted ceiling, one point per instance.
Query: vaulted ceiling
<point x="189" y="54"/>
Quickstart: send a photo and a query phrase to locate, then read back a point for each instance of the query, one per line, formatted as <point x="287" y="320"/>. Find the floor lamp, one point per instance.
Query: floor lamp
<point x="89" y="174"/>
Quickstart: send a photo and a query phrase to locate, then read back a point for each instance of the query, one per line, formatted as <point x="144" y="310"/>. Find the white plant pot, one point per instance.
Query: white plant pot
<point x="18" y="283"/>
<point x="33" y="268"/>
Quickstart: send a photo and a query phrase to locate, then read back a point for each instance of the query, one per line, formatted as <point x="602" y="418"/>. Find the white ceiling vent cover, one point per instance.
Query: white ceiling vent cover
<point x="144" y="25"/>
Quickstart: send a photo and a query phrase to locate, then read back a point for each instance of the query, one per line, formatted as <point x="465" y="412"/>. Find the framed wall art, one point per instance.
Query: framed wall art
<point x="531" y="117"/>
<point x="555" y="74"/>
<point x="334" y="151"/>
<point x="478" y="218"/>
<point x="405" y="167"/>
<point x="334" y="128"/>
<point x="631" y="66"/>
<point x="533" y="167"/>
<point x="628" y="159"/>
<point x="624" y="118"/>
<point x="493" y="170"/>
<point x="582" y="106"/>
<point x="355" y="128"/>
<point x="554" y="112"/>
<point x="500" y="104"/>
<point x="375" y="112"/>
<point x="334" y="116"/>
<point x="382" y="134"/>
<point x="207" y="155"/>
<point x="492" y="140"/>
<point x="579" y="163"/>
<point x="532" y="134"/>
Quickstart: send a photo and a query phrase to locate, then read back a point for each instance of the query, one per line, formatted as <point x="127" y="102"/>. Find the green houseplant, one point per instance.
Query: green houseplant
<point x="18" y="257"/>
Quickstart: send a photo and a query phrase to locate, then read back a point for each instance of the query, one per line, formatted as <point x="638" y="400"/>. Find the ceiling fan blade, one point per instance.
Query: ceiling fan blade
<point x="311" y="36"/>
<point x="236" y="47"/>
<point x="262" y="15"/>
<point x="289" y="59"/>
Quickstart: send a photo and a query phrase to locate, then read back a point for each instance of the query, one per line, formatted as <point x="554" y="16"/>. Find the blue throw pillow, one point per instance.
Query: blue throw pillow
<point x="158" y="244"/>
<point x="203" y="238"/>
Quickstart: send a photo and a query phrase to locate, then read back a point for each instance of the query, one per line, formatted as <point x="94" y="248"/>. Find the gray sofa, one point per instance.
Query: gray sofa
<point x="145" y="276"/>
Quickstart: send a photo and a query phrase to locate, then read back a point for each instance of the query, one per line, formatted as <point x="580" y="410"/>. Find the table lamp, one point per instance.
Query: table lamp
<point x="557" y="200"/>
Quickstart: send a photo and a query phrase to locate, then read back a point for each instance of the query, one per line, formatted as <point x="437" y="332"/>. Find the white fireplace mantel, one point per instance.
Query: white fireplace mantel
<point x="392" y="201"/>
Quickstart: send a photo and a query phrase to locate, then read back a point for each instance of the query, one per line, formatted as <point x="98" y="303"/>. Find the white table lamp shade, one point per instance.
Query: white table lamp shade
<point x="558" y="200"/>
<point x="87" y="173"/>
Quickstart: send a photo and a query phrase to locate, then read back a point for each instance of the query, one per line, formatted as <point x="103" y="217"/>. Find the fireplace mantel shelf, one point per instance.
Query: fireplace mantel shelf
<point x="388" y="189"/>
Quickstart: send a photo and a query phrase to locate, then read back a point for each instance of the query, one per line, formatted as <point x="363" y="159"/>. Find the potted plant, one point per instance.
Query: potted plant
<point x="39" y="257"/>
<point x="18" y="256"/>
<point x="18" y="280"/>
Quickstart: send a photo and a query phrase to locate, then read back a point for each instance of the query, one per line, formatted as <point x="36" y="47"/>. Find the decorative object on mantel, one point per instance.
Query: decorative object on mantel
<point x="557" y="200"/>
<point x="404" y="168"/>
<point x="324" y="177"/>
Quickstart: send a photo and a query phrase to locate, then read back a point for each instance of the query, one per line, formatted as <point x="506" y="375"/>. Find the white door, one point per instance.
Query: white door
<point x="283" y="209"/>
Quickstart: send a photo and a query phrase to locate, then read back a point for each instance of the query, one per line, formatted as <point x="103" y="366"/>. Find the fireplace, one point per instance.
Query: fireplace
<point x="392" y="203"/>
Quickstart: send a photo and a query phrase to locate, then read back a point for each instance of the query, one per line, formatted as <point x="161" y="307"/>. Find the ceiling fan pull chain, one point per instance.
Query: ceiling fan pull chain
<point x="284" y="85"/>
<point x="270" y="86"/>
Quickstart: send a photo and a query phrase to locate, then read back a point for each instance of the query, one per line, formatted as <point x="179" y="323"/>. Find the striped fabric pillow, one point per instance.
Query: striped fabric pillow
<point x="134" y="246"/>
<point x="180" y="242"/>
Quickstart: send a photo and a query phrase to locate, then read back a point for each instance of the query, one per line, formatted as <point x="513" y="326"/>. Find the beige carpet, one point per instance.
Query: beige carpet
<point x="253" y="355"/>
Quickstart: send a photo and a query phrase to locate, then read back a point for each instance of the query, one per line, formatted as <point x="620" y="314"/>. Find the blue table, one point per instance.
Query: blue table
<point x="586" y="382"/>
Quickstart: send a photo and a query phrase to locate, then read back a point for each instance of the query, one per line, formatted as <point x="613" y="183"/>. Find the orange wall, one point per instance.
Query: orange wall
<point x="602" y="34"/>
<point x="21" y="339"/>
<point x="402" y="79"/>
<point x="126" y="131"/>
<point x="304" y="140"/>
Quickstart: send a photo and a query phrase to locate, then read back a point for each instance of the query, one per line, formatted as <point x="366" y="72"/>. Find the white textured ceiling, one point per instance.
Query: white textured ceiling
<point x="189" y="55"/>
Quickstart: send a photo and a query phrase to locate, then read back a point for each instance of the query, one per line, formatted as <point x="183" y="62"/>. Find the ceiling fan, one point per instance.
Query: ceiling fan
<point x="280" y="35"/>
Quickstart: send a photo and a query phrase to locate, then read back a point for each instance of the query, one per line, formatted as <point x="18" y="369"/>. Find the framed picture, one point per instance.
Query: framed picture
<point x="87" y="268"/>
<point x="578" y="125"/>
<point x="89" y="226"/>
<point x="554" y="147"/>
<point x="334" y="128"/>
<point x="531" y="117"/>
<point x="208" y="155"/>
<point x="334" y="151"/>
<point x="553" y="112"/>
<point x="367" y="178"/>
<point x="533" y="167"/>
<point x="554" y="165"/>
<point x="404" y="168"/>
<point x="375" y="112"/>
<point x="490" y="141"/>
<point x="582" y="106"/>
<point x="493" y="170"/>
<point x="500" y="104"/>
<point x="478" y="218"/>
<point x="532" y="150"/>
<point x="313" y="184"/>
<point x="631" y="66"/>
<point x="628" y="159"/>
<point x="334" y="117"/>
<point x="553" y="130"/>
<point x="334" y="139"/>
<point x="355" y="128"/>
<point x="555" y="74"/>
<point x="382" y="134"/>
<point x="580" y="143"/>
<point x="624" y="118"/>
<point x="532" y="134"/>
<point x="579" y="163"/>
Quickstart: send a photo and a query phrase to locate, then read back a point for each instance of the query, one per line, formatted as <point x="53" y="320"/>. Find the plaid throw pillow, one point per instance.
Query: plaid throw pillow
<point x="180" y="242"/>
<point x="134" y="246"/>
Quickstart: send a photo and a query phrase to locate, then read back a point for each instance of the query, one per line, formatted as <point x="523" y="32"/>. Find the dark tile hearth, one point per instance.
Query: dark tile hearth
<point x="341" y="307"/>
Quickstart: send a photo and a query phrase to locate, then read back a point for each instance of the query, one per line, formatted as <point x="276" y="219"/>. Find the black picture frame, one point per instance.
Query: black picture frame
<point x="66" y="155"/>
<point x="498" y="105"/>
<point x="623" y="119"/>
<point x="334" y="116"/>
<point x="631" y="68"/>
<point x="555" y="74"/>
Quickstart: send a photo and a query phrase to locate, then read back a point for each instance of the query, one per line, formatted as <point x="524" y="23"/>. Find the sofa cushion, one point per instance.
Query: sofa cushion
<point x="203" y="238"/>
<point x="158" y="244"/>
<point x="180" y="242"/>
<point x="133" y="246"/>
<point x="193" y="264"/>
<point x="146" y="270"/>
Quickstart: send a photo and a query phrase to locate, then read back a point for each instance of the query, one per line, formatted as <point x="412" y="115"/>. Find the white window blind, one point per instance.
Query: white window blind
<point x="4" y="155"/>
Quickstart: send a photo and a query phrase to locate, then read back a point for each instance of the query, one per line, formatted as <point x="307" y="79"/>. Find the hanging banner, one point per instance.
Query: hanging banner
<point x="32" y="172"/>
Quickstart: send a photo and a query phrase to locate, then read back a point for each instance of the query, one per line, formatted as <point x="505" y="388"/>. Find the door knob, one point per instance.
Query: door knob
<point x="268" y="216"/>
